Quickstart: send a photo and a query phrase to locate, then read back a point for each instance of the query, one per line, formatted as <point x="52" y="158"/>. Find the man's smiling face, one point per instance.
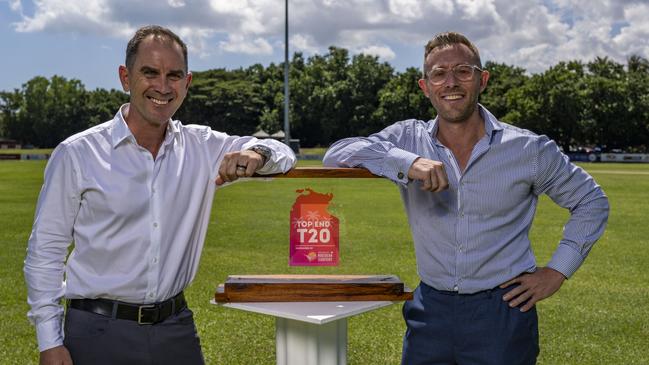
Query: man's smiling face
<point x="454" y="100"/>
<point x="157" y="81"/>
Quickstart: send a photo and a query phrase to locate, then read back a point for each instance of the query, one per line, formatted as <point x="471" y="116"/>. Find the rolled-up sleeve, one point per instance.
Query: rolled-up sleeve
<point x="282" y="156"/>
<point x="281" y="160"/>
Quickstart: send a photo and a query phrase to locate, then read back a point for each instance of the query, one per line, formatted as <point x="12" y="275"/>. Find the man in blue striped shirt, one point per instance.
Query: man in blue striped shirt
<point x="470" y="185"/>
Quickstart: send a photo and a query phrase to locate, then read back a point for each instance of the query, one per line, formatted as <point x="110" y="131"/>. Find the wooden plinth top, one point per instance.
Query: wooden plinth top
<point x="312" y="288"/>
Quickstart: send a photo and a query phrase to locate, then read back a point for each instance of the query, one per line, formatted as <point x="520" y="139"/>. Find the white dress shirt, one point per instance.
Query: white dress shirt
<point x="137" y="224"/>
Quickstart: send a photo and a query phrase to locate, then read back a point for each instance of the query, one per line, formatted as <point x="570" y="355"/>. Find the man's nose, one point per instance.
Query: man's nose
<point x="451" y="79"/>
<point x="162" y="85"/>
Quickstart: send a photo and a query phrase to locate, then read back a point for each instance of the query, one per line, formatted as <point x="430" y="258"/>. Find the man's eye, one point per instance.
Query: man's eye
<point x="174" y="77"/>
<point x="438" y="73"/>
<point x="463" y="71"/>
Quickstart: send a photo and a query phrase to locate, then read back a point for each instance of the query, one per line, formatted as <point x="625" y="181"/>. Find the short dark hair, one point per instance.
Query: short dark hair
<point x="448" y="39"/>
<point x="157" y="31"/>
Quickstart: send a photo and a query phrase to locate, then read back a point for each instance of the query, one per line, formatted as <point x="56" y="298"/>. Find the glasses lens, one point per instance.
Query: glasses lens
<point x="437" y="75"/>
<point x="463" y="72"/>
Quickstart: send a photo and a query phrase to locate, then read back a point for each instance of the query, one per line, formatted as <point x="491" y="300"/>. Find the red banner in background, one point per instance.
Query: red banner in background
<point x="314" y="232"/>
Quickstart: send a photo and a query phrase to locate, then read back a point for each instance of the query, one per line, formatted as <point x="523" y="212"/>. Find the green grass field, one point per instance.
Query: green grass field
<point x="600" y="316"/>
<point x="306" y="151"/>
<point x="23" y="151"/>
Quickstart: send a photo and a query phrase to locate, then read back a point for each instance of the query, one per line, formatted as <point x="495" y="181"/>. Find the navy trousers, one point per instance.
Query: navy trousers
<point x="96" y="339"/>
<point x="447" y="328"/>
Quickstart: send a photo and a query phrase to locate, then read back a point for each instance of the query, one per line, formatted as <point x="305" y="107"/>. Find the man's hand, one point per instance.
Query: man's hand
<point x="238" y="164"/>
<point x="533" y="287"/>
<point x="431" y="173"/>
<point x="58" y="355"/>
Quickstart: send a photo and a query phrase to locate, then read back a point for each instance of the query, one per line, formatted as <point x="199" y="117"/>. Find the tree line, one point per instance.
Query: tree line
<point x="335" y="95"/>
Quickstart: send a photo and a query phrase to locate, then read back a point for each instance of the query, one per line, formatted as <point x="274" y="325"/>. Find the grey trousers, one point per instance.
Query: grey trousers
<point x="97" y="340"/>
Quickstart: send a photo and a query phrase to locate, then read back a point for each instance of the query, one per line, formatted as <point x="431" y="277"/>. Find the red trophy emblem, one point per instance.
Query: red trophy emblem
<point x="314" y="232"/>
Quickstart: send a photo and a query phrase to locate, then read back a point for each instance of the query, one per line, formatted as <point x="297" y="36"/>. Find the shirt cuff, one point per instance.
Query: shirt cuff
<point x="566" y="260"/>
<point x="49" y="334"/>
<point x="396" y="164"/>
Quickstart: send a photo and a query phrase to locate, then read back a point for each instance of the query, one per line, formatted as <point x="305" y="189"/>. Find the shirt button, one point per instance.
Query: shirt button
<point x="400" y="175"/>
<point x="155" y="260"/>
<point x="455" y="288"/>
<point x="155" y="224"/>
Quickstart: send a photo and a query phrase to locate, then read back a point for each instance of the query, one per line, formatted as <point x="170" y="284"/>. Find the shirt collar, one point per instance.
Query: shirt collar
<point x="121" y="132"/>
<point x="173" y="132"/>
<point x="491" y="124"/>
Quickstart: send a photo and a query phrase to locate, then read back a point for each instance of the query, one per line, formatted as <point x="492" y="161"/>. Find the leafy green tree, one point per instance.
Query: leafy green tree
<point x="402" y="99"/>
<point x="606" y="90"/>
<point x="638" y="103"/>
<point x="606" y="68"/>
<point x="637" y="65"/>
<point x="103" y="104"/>
<point x="320" y="98"/>
<point x="44" y="112"/>
<point x="502" y="79"/>
<point x="366" y="77"/>
<point x="225" y="100"/>
<point x="270" y="81"/>
<point x="9" y="106"/>
<point x="25" y="107"/>
<point x="551" y="103"/>
<point x="333" y="96"/>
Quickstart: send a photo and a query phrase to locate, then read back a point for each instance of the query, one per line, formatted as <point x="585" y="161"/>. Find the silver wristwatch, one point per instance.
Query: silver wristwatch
<point x="264" y="151"/>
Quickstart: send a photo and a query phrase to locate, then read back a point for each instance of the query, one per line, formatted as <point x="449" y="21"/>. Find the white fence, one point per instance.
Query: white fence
<point x="624" y="157"/>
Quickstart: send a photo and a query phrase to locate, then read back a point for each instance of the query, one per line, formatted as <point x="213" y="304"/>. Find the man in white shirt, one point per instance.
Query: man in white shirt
<point x="134" y="195"/>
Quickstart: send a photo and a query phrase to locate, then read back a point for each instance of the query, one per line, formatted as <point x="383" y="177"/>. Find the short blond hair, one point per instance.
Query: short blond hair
<point x="448" y="39"/>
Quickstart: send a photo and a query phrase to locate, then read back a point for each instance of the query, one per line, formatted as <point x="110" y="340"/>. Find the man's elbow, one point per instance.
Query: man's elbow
<point x="329" y="160"/>
<point x="605" y="206"/>
<point x="601" y="201"/>
<point x="598" y="206"/>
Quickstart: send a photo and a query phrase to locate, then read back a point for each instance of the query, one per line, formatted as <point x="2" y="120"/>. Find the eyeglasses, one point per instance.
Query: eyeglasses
<point x="438" y="75"/>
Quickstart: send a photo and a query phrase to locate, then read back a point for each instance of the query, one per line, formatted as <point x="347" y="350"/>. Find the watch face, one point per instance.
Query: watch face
<point x="262" y="150"/>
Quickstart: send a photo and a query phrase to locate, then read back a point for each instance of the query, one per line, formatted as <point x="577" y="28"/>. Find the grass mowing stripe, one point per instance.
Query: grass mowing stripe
<point x="594" y="172"/>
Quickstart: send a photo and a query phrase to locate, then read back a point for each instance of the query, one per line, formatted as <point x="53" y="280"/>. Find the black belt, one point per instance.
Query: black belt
<point x="141" y="313"/>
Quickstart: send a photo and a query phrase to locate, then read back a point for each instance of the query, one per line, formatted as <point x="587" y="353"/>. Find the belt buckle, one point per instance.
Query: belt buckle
<point x="139" y="313"/>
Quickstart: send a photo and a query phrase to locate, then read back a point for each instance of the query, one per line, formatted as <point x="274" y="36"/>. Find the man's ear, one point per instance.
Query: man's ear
<point x="423" y="86"/>
<point x="484" y="78"/>
<point x="123" y="78"/>
<point x="189" y="80"/>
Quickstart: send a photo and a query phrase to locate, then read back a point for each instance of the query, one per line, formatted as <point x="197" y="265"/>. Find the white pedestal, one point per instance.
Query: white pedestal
<point x="303" y="343"/>
<point x="310" y="333"/>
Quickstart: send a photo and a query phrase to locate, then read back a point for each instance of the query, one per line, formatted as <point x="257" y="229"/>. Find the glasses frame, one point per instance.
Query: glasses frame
<point x="452" y="71"/>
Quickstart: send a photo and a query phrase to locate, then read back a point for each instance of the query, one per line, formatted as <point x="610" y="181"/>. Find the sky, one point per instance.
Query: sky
<point x="86" y="39"/>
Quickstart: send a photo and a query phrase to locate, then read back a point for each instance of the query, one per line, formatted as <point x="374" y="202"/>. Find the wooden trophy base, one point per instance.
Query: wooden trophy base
<point x="311" y="288"/>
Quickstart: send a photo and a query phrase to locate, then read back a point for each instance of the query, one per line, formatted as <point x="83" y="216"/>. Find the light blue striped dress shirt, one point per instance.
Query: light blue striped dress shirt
<point x="475" y="235"/>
